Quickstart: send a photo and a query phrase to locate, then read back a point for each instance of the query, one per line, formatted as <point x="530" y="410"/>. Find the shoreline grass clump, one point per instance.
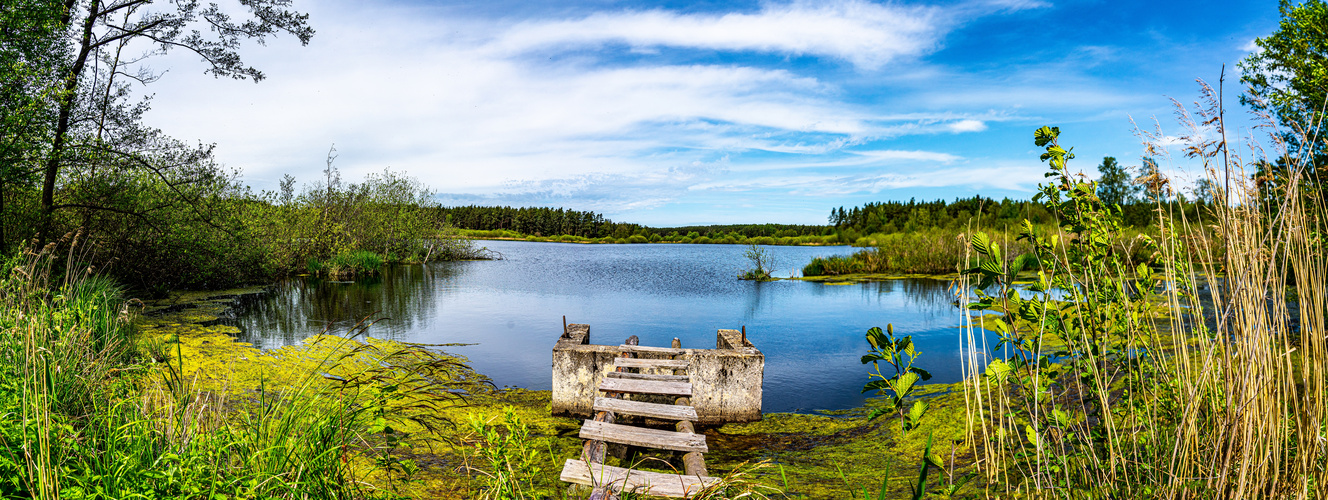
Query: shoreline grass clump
<point x="95" y="407"/>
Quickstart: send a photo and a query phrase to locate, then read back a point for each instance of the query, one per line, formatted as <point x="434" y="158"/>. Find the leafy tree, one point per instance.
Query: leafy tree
<point x="30" y="45"/>
<point x="94" y="122"/>
<point x="1115" y="187"/>
<point x="1288" y="78"/>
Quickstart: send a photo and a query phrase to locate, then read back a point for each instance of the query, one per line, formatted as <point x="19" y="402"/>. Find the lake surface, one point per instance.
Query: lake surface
<point x="511" y="310"/>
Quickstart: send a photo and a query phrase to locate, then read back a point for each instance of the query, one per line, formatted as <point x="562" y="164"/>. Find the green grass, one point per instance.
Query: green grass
<point x="94" y="407"/>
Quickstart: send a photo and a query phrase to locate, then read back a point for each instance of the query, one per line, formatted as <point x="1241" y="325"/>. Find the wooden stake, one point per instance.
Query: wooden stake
<point x="743" y="343"/>
<point x="564" y="326"/>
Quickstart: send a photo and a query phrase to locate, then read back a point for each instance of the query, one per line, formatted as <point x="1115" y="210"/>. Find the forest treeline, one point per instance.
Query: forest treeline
<point x="554" y="222"/>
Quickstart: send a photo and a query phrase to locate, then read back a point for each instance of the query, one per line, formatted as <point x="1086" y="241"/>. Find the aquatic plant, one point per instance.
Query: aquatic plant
<point x="504" y="444"/>
<point x="1172" y="377"/>
<point x="898" y="352"/>
<point x="761" y="263"/>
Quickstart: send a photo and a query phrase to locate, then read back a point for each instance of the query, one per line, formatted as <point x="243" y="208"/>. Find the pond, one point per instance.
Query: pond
<point x="511" y="310"/>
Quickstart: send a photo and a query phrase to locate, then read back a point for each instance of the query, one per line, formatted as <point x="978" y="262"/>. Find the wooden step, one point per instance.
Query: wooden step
<point x="643" y="437"/>
<point x="648" y="363"/>
<point x="644" y="482"/>
<point x="646" y="348"/>
<point x="644" y="409"/>
<point x="634" y="386"/>
<point x="649" y="376"/>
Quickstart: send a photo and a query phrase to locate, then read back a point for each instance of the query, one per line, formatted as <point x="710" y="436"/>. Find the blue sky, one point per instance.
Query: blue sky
<point x="671" y="113"/>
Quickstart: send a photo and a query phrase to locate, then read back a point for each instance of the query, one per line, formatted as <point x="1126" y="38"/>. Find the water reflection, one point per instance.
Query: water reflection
<point x="511" y="310"/>
<point x="401" y="301"/>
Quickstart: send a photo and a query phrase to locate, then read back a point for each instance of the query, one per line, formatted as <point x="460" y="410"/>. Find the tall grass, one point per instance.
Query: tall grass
<point x="84" y="415"/>
<point x="1190" y="375"/>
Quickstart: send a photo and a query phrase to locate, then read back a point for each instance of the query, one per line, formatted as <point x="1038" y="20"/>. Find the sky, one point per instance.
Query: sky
<point x="671" y="113"/>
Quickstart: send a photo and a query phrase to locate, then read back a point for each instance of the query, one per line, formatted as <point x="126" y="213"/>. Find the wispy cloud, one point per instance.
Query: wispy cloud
<point x="866" y="34"/>
<point x="644" y="108"/>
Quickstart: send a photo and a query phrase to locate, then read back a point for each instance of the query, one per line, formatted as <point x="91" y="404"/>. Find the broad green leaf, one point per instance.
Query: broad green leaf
<point x="980" y="243"/>
<point x="998" y="370"/>
<point x="926" y="375"/>
<point x="876" y="385"/>
<point x="917" y="411"/>
<point x="876" y="337"/>
<point x="904" y="383"/>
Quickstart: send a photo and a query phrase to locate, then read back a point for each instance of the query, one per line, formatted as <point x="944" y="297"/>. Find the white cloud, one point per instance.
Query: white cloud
<point x="472" y="108"/>
<point x="968" y="126"/>
<point x="866" y="34"/>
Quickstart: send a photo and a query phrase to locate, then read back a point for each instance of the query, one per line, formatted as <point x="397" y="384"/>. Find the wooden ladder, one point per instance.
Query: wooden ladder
<point x="590" y="469"/>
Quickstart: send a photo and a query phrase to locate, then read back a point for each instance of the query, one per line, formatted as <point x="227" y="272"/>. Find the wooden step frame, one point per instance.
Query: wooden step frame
<point x="638" y="386"/>
<point x="643" y="437"/>
<point x="644" y="409"/>
<point x="642" y="482"/>
<point x="649" y="376"/>
<point x="650" y="363"/>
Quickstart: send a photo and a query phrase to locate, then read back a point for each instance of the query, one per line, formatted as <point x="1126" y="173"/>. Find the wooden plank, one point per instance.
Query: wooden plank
<point x="643" y="437"/>
<point x="644" y="409"/>
<point x="646" y="348"/>
<point x="648" y="363"/>
<point x="643" y="482"/>
<point x="649" y="376"/>
<point x="634" y="386"/>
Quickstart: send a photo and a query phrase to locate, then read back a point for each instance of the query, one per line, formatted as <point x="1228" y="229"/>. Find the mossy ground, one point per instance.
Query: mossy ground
<point x="809" y="455"/>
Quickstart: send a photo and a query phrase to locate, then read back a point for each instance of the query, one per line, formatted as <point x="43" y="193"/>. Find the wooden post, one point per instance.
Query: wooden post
<point x="743" y="342"/>
<point x="564" y="326"/>
<point x="693" y="463"/>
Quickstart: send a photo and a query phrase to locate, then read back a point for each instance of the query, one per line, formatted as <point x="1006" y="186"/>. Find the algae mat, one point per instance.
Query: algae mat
<point x="804" y="455"/>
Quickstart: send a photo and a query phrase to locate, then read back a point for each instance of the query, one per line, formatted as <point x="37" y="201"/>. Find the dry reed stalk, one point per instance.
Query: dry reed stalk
<point x="1232" y="406"/>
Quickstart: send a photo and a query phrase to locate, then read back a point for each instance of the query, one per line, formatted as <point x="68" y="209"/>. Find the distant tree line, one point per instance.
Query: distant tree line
<point x="1134" y="193"/>
<point x="539" y="221"/>
<point x="550" y="222"/>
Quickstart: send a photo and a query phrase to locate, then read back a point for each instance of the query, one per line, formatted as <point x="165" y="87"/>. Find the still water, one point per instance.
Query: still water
<point x="511" y="311"/>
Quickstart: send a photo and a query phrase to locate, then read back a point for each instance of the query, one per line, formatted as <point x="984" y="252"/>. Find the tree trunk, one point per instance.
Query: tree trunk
<point x="67" y="102"/>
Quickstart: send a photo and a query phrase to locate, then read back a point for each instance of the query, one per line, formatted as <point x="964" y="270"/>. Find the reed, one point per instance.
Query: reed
<point x="1192" y="374"/>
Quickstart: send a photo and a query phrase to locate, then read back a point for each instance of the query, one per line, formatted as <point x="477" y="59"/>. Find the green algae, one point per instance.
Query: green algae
<point x="820" y="455"/>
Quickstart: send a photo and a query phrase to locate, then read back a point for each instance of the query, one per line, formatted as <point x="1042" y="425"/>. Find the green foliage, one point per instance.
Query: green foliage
<point x="1084" y="329"/>
<point x="899" y="354"/>
<point x="1115" y="186"/>
<point x="930" y="251"/>
<point x="761" y="263"/>
<point x="504" y="445"/>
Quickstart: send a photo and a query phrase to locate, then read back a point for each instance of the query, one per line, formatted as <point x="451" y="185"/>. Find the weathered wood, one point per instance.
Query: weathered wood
<point x="642" y="482"/>
<point x="646" y="438"/>
<point x="635" y="386"/>
<point x="647" y="376"/>
<point x="692" y="462"/>
<point x="651" y="349"/>
<point x="594" y="450"/>
<point x="649" y="363"/>
<point x="644" y="409"/>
